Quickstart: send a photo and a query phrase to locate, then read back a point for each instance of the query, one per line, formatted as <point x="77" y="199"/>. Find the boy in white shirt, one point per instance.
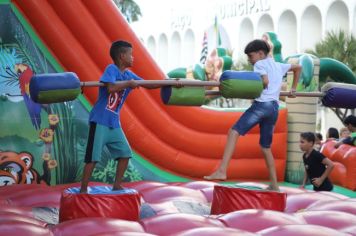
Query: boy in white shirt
<point x="264" y="110"/>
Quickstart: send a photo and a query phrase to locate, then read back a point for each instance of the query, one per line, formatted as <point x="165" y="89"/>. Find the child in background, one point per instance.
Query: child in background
<point x="350" y="124"/>
<point x="318" y="141"/>
<point x="332" y="134"/>
<point x="344" y="133"/>
<point x="317" y="166"/>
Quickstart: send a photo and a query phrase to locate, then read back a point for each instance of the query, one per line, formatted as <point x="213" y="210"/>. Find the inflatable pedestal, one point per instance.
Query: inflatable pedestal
<point x="100" y="201"/>
<point x="228" y="199"/>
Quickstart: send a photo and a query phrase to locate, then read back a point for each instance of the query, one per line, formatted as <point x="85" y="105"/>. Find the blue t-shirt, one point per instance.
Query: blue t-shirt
<point x="106" y="110"/>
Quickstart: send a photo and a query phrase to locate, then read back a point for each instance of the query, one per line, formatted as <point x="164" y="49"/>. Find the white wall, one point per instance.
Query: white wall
<point x="310" y="28"/>
<point x="174" y="30"/>
<point x="175" y="50"/>
<point x="337" y="17"/>
<point x="264" y="24"/>
<point x="151" y="46"/>
<point x="246" y="34"/>
<point x="299" y="25"/>
<point x="162" y="51"/>
<point x="354" y="22"/>
<point x="189" y="48"/>
<point x="287" y="32"/>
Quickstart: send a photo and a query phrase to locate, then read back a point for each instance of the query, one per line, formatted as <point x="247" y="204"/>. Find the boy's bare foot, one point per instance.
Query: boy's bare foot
<point x="216" y="176"/>
<point x="119" y="187"/>
<point x="82" y="191"/>
<point x="271" y="188"/>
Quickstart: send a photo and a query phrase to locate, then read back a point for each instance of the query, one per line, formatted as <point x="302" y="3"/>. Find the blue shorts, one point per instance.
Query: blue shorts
<point x="114" y="139"/>
<point x="263" y="113"/>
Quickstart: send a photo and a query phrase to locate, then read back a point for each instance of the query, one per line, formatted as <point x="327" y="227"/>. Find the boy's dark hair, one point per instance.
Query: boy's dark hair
<point x="350" y="120"/>
<point x="333" y="133"/>
<point x="319" y="136"/>
<point x="118" y="47"/>
<point x="257" y="45"/>
<point x="309" y="136"/>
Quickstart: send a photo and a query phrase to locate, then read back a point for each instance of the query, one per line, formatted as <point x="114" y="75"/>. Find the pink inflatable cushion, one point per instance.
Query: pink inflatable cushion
<point x="300" y="201"/>
<point x="20" y="228"/>
<point x="174" y="223"/>
<point x="300" y="230"/>
<point x="348" y="206"/>
<point x="331" y="219"/>
<point x="214" y="231"/>
<point x="166" y="193"/>
<point x="253" y="220"/>
<point x="96" y="225"/>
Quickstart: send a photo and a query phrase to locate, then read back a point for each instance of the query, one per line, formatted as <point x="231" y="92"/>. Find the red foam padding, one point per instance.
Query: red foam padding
<point x="120" y="206"/>
<point x="228" y="199"/>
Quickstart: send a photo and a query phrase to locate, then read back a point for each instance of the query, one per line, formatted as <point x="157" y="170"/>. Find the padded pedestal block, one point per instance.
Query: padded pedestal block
<point x="228" y="199"/>
<point x="100" y="201"/>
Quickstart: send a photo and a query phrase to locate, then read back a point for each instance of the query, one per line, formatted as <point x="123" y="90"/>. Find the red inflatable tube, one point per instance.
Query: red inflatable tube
<point x="100" y="201"/>
<point x="228" y="199"/>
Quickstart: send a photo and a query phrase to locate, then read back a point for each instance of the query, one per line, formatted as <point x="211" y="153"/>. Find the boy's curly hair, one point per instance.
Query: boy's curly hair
<point x="117" y="48"/>
<point x="257" y="45"/>
<point x="351" y="119"/>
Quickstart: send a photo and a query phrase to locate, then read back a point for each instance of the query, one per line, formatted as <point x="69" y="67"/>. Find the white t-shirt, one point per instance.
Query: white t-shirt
<point x="275" y="72"/>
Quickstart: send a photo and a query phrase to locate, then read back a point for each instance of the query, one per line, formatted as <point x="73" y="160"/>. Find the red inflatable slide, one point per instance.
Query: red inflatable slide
<point x="184" y="141"/>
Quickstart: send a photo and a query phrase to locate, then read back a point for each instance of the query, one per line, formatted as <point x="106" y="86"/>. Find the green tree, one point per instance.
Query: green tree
<point x="339" y="46"/>
<point x="129" y="9"/>
<point x="242" y="65"/>
<point x="342" y="47"/>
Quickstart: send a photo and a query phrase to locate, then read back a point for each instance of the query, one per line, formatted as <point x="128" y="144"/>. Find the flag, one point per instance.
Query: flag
<point x="204" y="51"/>
<point x="217" y="32"/>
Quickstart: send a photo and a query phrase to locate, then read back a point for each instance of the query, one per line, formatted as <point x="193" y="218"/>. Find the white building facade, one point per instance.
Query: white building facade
<point x="173" y="31"/>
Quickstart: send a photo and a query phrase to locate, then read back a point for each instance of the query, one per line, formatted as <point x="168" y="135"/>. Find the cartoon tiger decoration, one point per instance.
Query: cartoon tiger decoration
<point x="16" y="168"/>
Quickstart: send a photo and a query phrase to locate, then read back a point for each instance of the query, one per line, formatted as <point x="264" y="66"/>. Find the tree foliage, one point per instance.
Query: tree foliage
<point x="129" y="9"/>
<point x="338" y="45"/>
<point x="342" y="47"/>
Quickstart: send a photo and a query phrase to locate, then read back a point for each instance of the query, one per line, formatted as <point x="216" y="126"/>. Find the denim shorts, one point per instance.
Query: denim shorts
<point x="263" y="113"/>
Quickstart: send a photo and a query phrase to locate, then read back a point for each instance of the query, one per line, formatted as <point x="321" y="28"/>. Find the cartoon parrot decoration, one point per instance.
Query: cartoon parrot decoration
<point x="34" y="109"/>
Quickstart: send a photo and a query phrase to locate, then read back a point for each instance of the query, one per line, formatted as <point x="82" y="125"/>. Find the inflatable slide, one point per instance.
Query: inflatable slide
<point x="183" y="142"/>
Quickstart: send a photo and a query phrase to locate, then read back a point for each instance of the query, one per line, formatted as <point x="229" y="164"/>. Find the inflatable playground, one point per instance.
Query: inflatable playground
<point x="175" y="137"/>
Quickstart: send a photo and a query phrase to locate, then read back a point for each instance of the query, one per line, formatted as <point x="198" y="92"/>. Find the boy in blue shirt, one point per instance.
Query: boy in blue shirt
<point x="264" y="110"/>
<point x="105" y="128"/>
